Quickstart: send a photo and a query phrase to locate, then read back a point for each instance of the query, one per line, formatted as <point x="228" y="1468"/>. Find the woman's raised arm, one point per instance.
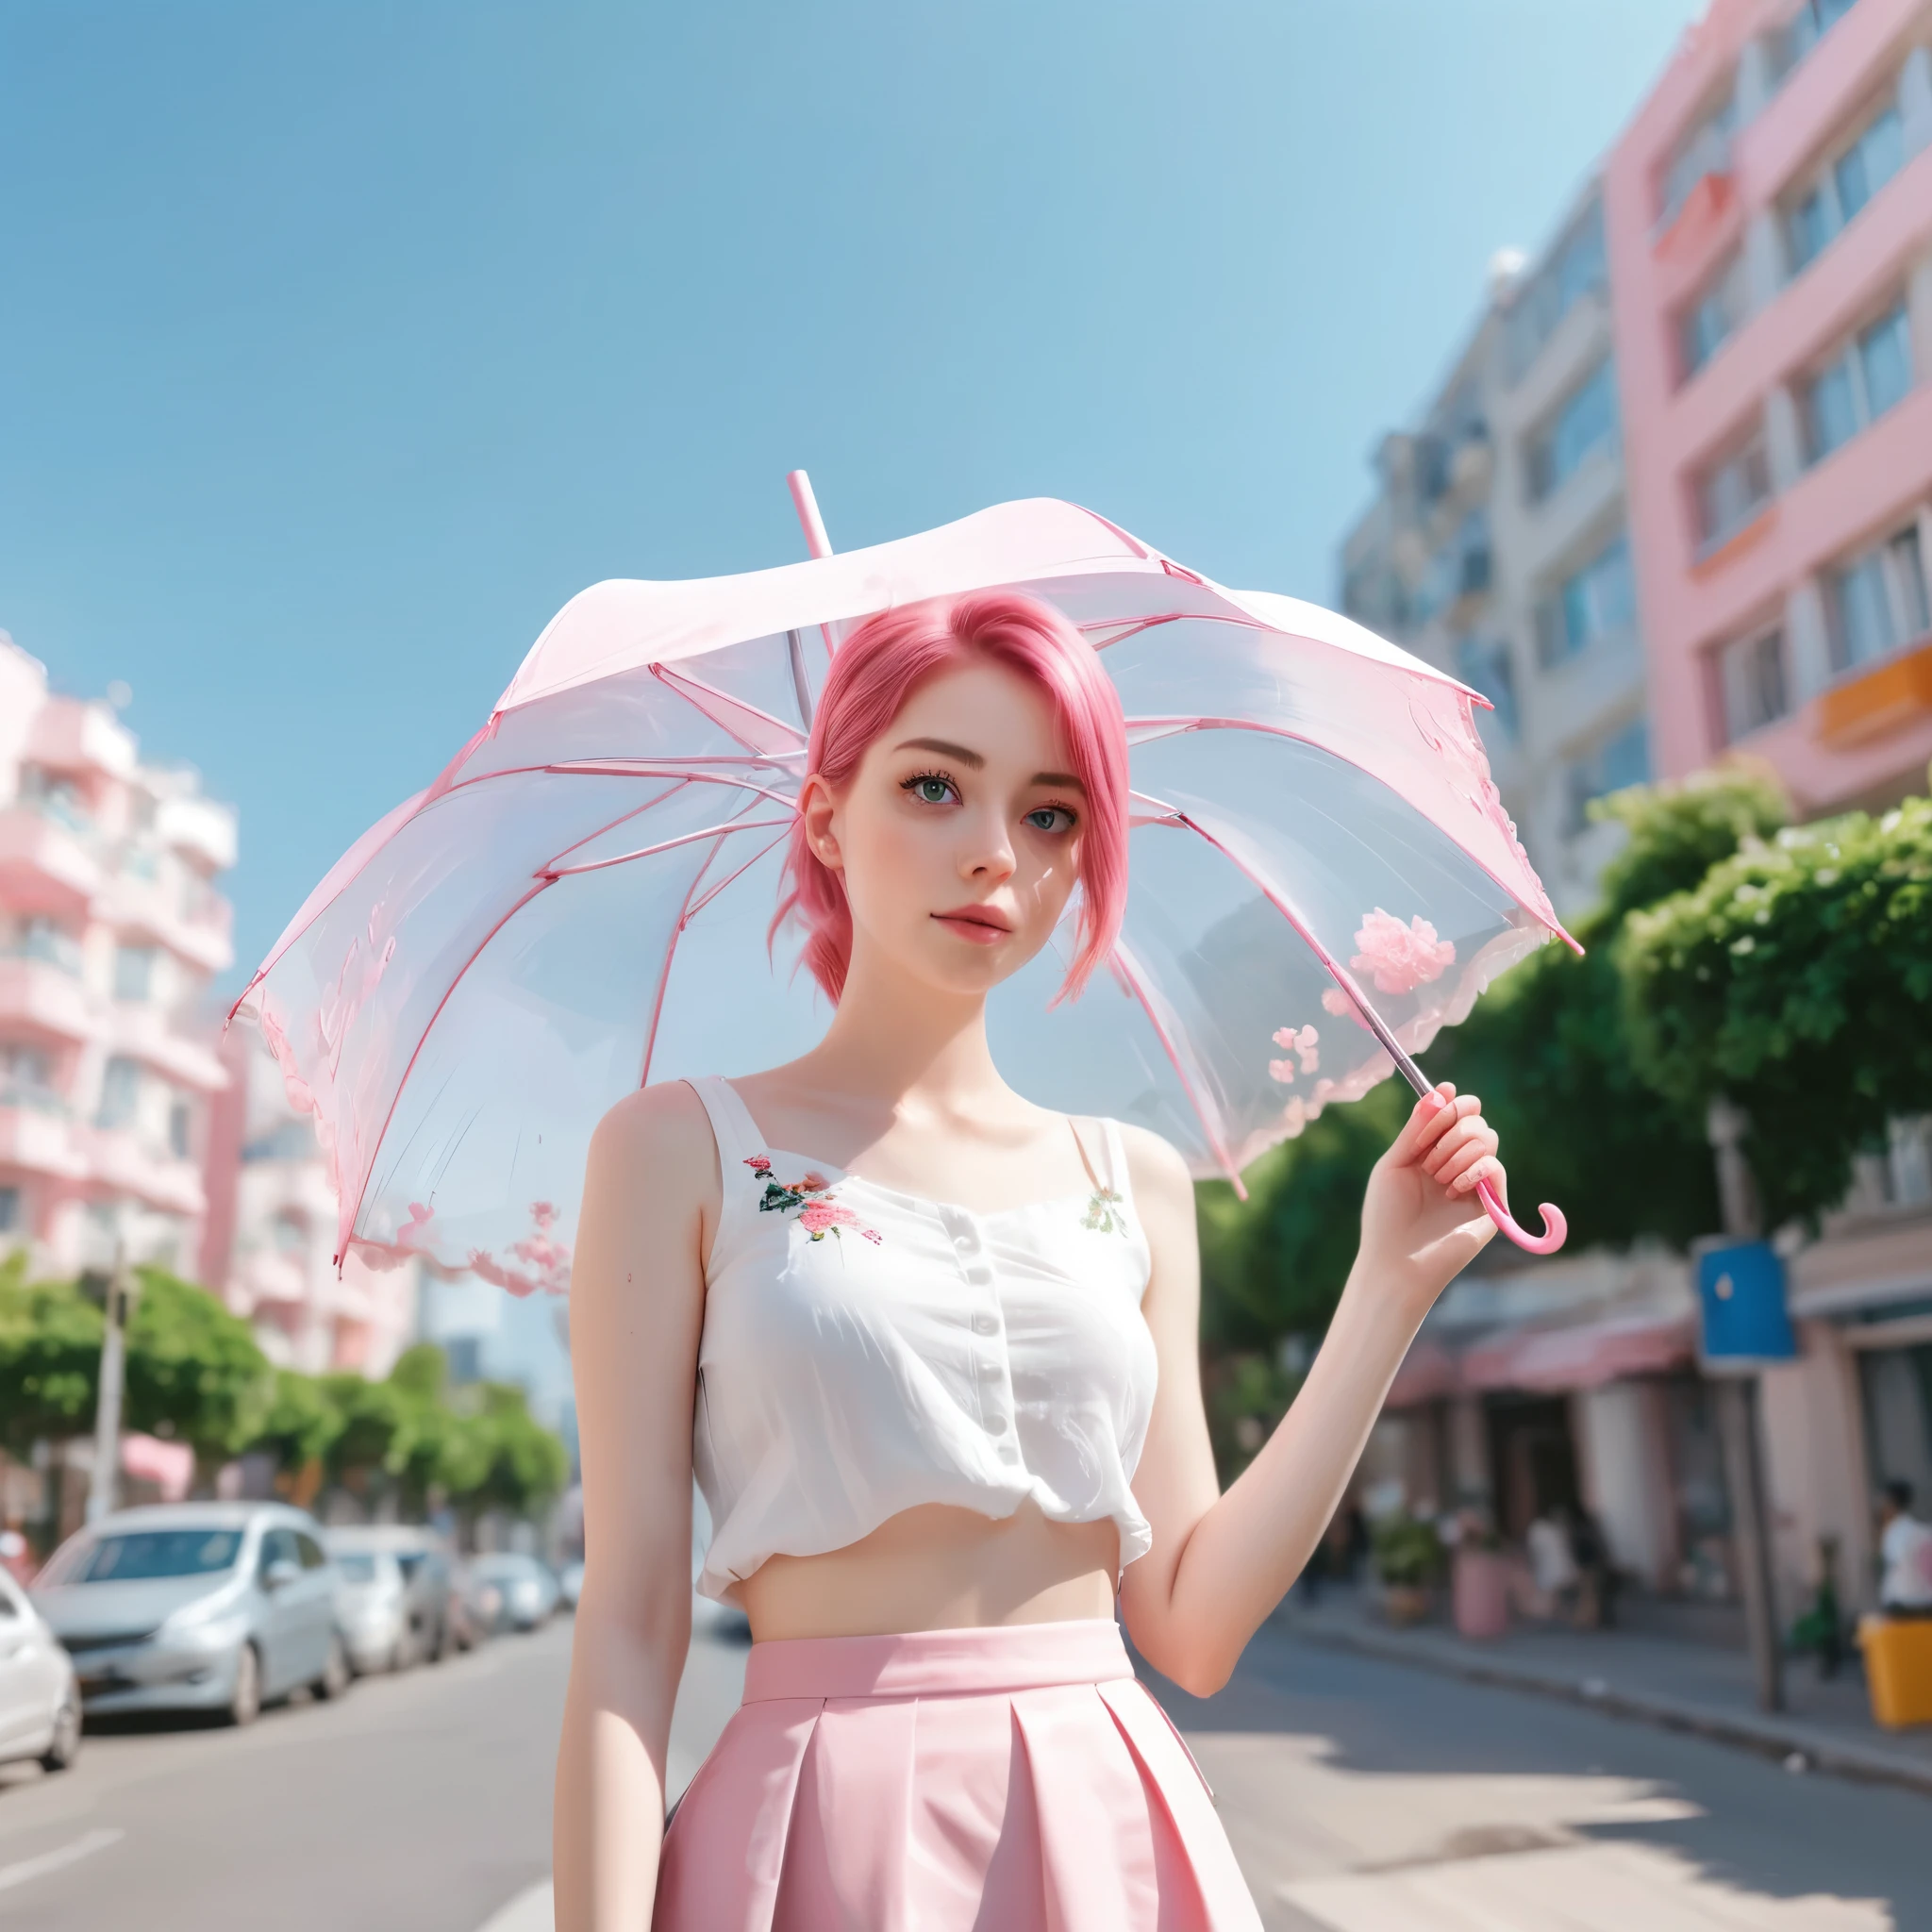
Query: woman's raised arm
<point x="651" y="1191"/>
<point x="1221" y="1563"/>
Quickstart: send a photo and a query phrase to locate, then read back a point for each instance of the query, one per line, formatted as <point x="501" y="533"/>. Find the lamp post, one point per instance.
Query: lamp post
<point x="120" y="1300"/>
<point x="1738" y="1282"/>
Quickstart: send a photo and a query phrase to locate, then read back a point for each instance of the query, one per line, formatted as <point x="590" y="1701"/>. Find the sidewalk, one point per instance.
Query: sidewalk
<point x="1663" y="1681"/>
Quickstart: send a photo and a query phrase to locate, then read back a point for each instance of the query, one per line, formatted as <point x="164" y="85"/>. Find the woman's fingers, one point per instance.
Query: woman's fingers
<point x="1467" y="1145"/>
<point x="1430" y="1114"/>
<point x="1456" y="1134"/>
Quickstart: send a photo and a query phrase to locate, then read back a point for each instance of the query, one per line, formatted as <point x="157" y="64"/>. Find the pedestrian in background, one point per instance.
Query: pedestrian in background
<point x="1904" y="1551"/>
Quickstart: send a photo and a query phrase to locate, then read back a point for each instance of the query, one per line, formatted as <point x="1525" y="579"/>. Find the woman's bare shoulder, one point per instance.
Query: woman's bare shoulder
<point x="659" y="1132"/>
<point x="1155" y="1166"/>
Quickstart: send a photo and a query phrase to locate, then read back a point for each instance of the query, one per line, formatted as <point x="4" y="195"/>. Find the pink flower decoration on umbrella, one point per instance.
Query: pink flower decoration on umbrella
<point x="1400" y="957"/>
<point x="1302" y="1045"/>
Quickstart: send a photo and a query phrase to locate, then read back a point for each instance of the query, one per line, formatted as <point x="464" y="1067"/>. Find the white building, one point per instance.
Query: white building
<point x="1496" y="548"/>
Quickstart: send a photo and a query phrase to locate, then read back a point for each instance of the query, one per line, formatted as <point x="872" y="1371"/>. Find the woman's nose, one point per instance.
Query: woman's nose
<point x="987" y="856"/>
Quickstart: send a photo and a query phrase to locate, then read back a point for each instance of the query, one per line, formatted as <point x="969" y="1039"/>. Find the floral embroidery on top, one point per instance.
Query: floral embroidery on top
<point x="818" y="1214"/>
<point x="1106" y="1212"/>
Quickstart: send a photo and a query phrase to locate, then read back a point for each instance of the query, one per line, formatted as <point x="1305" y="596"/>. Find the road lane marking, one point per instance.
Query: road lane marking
<point x="83" y="1847"/>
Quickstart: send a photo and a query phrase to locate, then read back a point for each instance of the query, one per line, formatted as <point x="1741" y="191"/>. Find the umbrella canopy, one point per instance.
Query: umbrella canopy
<point x="1323" y="876"/>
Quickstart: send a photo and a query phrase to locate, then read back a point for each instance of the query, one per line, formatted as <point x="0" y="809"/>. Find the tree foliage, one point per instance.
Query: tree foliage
<point x="50" y="1358"/>
<point x="1795" y="979"/>
<point x="1549" y="1049"/>
<point x="194" y="1373"/>
<point x="193" y="1369"/>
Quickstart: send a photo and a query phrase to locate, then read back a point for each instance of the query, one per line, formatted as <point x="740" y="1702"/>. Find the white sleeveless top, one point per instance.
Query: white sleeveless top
<point x="865" y="1351"/>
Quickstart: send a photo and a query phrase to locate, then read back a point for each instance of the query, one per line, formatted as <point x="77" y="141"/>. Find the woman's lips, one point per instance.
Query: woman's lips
<point x="979" y="925"/>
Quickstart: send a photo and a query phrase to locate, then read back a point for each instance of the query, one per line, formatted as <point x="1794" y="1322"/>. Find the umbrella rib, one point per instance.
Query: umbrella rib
<point x="686" y="685"/>
<point x="553" y="873"/>
<point x="1182" y="723"/>
<point x="1137" y="984"/>
<point x="1342" y="977"/>
<point x="415" y="1053"/>
<point x="732" y="877"/>
<point x="669" y="952"/>
<point x="690" y="912"/>
<point x="622" y="818"/>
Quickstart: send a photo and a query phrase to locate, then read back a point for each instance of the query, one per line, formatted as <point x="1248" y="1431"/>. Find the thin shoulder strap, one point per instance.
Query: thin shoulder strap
<point x="1117" y="1178"/>
<point x="732" y="1126"/>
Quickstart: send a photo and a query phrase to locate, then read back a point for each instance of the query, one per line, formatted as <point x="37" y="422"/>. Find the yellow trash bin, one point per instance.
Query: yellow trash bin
<point x="1898" y="1667"/>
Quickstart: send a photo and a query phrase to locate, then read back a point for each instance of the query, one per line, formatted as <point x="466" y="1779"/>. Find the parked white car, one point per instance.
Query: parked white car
<point x="364" y="1553"/>
<point x="40" y="1703"/>
<point x="216" y="1606"/>
<point x="372" y="1609"/>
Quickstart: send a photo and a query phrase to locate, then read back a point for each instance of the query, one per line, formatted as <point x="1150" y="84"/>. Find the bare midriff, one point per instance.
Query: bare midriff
<point x="939" y="1567"/>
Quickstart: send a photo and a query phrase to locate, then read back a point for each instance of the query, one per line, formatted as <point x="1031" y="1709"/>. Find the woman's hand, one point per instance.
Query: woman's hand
<point x="1422" y="1220"/>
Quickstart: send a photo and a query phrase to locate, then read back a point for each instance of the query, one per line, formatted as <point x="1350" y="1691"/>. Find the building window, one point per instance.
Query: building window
<point x="1620" y="762"/>
<point x="134" y="972"/>
<point x="12" y="1212"/>
<point x="1585" y="423"/>
<point x="1705" y="150"/>
<point x="27" y="1078"/>
<point x="1807" y="28"/>
<point x="37" y="937"/>
<point x="1877" y="602"/>
<point x="1851" y="392"/>
<point x="180" y="1130"/>
<point x="1597" y="602"/>
<point x="1751" y="678"/>
<point x="1731" y="492"/>
<point x="1844" y="187"/>
<point x="57" y="797"/>
<point x="1704" y="326"/>
<point x="1575" y="268"/>
<point x="1483" y="664"/>
<point x="119" y="1092"/>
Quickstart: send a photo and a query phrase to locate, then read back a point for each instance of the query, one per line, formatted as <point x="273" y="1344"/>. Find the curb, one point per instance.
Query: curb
<point x="1767" y="1737"/>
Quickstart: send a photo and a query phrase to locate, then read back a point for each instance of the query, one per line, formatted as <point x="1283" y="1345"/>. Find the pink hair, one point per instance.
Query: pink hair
<point x="875" y="673"/>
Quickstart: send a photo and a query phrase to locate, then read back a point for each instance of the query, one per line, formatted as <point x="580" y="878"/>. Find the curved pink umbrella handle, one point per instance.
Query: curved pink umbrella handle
<point x="1555" y="1229"/>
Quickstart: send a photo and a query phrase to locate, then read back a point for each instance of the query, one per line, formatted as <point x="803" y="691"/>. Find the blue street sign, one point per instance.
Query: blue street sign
<point x="1741" y="1299"/>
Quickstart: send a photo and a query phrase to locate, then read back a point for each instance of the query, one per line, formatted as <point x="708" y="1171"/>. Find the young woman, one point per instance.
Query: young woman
<point x="932" y="1353"/>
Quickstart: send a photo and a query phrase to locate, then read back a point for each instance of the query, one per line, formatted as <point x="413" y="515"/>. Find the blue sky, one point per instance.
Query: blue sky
<point x="342" y="344"/>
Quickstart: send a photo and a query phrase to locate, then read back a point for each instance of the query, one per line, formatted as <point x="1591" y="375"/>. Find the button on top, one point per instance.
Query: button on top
<point x="997" y="1426"/>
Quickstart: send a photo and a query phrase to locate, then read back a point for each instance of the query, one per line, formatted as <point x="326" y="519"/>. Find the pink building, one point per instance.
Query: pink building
<point x="1769" y="215"/>
<point x="110" y="932"/>
<point x="270" y="1244"/>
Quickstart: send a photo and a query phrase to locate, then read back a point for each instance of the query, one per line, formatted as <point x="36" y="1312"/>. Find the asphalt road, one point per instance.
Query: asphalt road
<point x="1360" y="1795"/>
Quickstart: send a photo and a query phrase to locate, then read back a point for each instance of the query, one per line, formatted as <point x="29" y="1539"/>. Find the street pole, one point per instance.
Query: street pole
<point x="1738" y="1430"/>
<point x="100" y="1495"/>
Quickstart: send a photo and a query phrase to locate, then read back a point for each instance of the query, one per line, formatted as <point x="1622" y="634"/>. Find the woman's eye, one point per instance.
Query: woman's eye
<point x="931" y="791"/>
<point x="1051" y="818"/>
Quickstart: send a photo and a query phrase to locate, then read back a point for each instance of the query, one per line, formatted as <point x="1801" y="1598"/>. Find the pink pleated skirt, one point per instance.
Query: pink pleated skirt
<point x="1012" y="1780"/>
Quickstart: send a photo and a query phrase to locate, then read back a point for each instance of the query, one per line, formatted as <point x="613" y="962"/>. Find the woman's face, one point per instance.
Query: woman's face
<point x="958" y="836"/>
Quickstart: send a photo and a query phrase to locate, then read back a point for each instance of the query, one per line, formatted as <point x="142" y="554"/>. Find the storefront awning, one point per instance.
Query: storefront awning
<point x="1549" y="1359"/>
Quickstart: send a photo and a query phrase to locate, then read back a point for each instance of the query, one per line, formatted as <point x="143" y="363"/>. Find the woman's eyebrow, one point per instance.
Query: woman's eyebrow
<point x="1065" y="780"/>
<point x="945" y="749"/>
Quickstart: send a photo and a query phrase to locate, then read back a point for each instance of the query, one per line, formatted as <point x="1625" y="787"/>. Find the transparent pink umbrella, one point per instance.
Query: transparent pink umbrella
<point x="1323" y="876"/>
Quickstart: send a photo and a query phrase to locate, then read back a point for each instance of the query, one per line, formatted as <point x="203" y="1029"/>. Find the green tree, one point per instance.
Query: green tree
<point x="50" y="1358"/>
<point x="193" y="1369"/>
<point x="302" y="1423"/>
<point x="497" y="1455"/>
<point x="1795" y="979"/>
<point x="1549" y="1047"/>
